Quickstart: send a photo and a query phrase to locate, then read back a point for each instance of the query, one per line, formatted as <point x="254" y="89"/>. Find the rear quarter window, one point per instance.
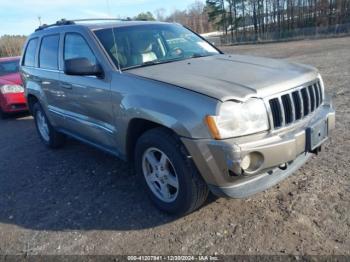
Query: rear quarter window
<point x="48" y="57"/>
<point x="30" y="53"/>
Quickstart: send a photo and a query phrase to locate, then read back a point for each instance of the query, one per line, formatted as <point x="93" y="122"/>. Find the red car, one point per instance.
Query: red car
<point x="12" y="98"/>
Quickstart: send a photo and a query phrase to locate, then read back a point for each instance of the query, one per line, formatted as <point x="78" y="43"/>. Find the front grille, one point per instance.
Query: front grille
<point x="295" y="105"/>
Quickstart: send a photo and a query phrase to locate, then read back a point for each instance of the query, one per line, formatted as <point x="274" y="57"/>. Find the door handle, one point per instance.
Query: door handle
<point x="66" y="86"/>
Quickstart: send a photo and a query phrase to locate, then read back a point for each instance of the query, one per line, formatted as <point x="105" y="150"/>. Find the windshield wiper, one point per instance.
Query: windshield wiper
<point x="158" y="62"/>
<point x="197" y="55"/>
<point x="148" y="63"/>
<point x="151" y="63"/>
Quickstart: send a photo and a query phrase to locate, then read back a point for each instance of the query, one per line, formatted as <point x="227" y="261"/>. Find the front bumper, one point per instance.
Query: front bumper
<point x="12" y="103"/>
<point x="219" y="162"/>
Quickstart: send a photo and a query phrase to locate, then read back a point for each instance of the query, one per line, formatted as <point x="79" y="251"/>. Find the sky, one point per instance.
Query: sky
<point x="20" y="17"/>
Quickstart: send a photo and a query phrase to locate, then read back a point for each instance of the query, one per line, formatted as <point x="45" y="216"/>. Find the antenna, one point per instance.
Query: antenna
<point x="114" y="41"/>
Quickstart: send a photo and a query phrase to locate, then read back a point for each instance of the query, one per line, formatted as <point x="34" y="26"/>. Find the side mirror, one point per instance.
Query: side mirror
<point x="82" y="67"/>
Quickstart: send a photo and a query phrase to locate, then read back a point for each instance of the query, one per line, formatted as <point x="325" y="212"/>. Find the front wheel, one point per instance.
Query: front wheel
<point x="48" y="135"/>
<point x="170" y="177"/>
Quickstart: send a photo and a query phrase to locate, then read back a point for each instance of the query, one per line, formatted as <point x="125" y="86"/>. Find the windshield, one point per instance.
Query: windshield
<point x="143" y="45"/>
<point x="9" y="67"/>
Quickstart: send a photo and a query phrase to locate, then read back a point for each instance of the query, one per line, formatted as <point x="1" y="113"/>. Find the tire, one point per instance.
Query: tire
<point x="192" y="190"/>
<point x="50" y="137"/>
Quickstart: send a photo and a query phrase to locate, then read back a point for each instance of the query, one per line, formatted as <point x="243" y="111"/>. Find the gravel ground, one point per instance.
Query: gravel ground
<point x="77" y="200"/>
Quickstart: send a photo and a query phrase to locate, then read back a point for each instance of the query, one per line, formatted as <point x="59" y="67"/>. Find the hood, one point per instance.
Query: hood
<point x="11" y="79"/>
<point x="231" y="77"/>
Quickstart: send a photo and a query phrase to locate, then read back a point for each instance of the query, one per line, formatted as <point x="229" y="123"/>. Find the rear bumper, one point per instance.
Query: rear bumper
<point x="220" y="162"/>
<point x="12" y="103"/>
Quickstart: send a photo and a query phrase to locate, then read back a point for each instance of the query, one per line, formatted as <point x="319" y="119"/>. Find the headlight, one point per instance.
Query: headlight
<point x="238" y="119"/>
<point x="10" y="89"/>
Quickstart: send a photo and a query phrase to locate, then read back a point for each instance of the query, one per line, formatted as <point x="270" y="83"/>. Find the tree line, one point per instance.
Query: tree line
<point x="261" y="17"/>
<point x="252" y="20"/>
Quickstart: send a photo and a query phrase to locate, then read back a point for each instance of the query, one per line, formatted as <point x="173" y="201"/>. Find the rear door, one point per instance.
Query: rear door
<point x="87" y="104"/>
<point x="48" y="68"/>
<point x="40" y="73"/>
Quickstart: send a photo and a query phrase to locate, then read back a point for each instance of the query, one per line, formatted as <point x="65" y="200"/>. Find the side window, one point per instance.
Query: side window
<point x="75" y="46"/>
<point x="29" y="56"/>
<point x="48" y="57"/>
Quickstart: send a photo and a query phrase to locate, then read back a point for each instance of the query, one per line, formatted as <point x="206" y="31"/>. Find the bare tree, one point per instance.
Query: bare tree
<point x="160" y="14"/>
<point x="195" y="17"/>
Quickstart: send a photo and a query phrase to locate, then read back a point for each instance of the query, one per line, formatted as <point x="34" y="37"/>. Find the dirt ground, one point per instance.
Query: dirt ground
<point x="77" y="200"/>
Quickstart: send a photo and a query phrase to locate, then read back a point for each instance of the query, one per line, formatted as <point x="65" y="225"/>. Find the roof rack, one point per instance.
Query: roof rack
<point x="58" y="23"/>
<point x="74" y="21"/>
<point x="101" y="19"/>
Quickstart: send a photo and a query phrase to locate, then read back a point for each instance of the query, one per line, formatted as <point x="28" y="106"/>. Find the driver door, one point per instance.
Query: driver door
<point x="87" y="103"/>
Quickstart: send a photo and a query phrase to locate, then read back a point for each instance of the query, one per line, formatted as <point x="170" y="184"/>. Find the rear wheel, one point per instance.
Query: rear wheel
<point x="170" y="177"/>
<point x="47" y="133"/>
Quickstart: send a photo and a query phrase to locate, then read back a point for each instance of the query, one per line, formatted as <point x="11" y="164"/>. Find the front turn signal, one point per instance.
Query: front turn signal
<point x="213" y="129"/>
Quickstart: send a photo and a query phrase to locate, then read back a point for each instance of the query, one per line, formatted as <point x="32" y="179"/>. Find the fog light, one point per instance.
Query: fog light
<point x="245" y="163"/>
<point x="252" y="162"/>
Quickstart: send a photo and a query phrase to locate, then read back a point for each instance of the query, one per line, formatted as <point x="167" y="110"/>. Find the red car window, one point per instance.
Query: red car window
<point x="9" y="67"/>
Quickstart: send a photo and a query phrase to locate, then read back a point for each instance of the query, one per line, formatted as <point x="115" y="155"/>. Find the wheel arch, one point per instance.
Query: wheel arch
<point x="31" y="101"/>
<point x="136" y="128"/>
